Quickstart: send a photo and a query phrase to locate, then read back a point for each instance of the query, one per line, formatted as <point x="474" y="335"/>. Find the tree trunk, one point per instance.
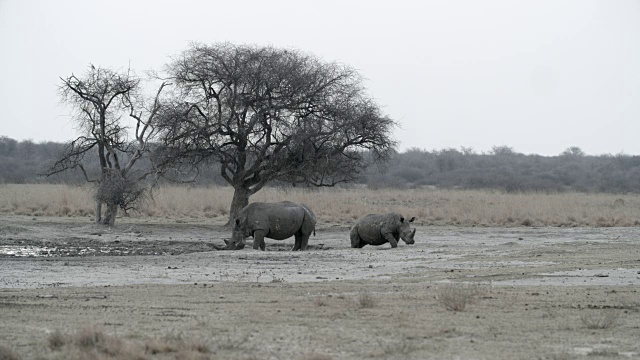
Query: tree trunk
<point x="110" y="215"/>
<point x="240" y="200"/>
<point x="98" y="212"/>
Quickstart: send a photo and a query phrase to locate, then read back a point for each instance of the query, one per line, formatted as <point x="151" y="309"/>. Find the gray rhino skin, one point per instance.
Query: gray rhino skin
<point x="378" y="229"/>
<point x="276" y="221"/>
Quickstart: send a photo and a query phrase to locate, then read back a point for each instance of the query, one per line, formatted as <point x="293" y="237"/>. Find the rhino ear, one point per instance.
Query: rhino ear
<point x="413" y="218"/>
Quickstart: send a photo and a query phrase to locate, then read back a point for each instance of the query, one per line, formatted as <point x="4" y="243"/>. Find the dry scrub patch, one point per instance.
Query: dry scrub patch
<point x="365" y="300"/>
<point x="344" y="205"/>
<point x="457" y="297"/>
<point x="94" y="343"/>
<point x="281" y="321"/>
<point x="600" y="319"/>
<point x="7" y="354"/>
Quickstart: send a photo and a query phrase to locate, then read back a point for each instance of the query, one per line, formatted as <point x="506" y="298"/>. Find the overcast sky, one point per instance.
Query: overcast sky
<point x="538" y="76"/>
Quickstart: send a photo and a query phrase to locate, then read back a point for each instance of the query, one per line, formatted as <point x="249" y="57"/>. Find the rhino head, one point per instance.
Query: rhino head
<point x="406" y="233"/>
<point x="233" y="245"/>
<point x="237" y="237"/>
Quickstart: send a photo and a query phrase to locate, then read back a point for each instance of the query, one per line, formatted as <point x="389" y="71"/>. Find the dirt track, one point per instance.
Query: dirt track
<point x="538" y="287"/>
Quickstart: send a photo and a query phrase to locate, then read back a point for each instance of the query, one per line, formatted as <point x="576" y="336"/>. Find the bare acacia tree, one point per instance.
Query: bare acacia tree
<point x="101" y="98"/>
<point x="270" y="114"/>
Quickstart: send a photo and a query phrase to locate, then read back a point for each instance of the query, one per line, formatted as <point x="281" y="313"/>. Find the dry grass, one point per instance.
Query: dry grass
<point x="232" y="342"/>
<point x="315" y="356"/>
<point x="457" y="297"/>
<point x="320" y="301"/>
<point x="365" y="300"/>
<point x="601" y="319"/>
<point x="343" y="206"/>
<point x="57" y="340"/>
<point x="93" y="343"/>
<point x="398" y="348"/>
<point x="509" y="322"/>
<point x="7" y="354"/>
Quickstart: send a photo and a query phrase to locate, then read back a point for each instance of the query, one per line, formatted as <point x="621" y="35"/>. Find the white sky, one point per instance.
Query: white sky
<point x="538" y="76"/>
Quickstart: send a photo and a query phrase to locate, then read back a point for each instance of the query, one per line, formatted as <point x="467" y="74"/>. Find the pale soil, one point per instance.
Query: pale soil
<point x="145" y="280"/>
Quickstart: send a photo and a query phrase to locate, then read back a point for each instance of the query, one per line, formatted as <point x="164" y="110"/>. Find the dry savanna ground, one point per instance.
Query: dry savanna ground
<point x="491" y="276"/>
<point x="343" y="206"/>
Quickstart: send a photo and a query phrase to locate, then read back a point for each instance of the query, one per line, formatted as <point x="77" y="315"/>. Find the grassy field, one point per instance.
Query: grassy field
<point x="343" y="206"/>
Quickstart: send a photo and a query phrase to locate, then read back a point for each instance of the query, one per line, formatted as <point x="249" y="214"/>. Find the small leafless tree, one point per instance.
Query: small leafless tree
<point x="102" y="99"/>
<point x="269" y="114"/>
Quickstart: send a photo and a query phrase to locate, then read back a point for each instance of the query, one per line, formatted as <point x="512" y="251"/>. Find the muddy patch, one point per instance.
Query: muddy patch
<point x="88" y="247"/>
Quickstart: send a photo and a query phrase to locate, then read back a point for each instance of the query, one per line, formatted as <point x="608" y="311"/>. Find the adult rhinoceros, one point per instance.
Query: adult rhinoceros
<point x="375" y="229"/>
<point x="276" y="221"/>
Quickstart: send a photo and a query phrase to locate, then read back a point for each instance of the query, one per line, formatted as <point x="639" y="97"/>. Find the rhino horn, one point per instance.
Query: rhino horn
<point x="413" y="233"/>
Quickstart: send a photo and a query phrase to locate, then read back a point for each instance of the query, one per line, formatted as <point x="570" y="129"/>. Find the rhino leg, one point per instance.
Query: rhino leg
<point x="298" y="244"/>
<point x="389" y="237"/>
<point x="304" y="242"/>
<point x="258" y="240"/>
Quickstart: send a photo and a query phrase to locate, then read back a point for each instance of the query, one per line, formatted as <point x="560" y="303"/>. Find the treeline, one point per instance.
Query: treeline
<point x="502" y="168"/>
<point x="24" y="162"/>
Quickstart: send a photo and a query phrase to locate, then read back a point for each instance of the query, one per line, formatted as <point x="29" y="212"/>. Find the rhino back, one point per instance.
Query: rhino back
<point x="369" y="228"/>
<point x="280" y="220"/>
<point x="372" y="226"/>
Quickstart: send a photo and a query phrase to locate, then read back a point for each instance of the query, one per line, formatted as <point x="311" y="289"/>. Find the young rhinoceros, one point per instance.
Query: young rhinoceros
<point x="276" y="221"/>
<point x="375" y="229"/>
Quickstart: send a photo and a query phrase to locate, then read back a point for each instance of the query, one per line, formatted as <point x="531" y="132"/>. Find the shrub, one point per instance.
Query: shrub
<point x="365" y="300"/>
<point x="603" y="319"/>
<point x="7" y="354"/>
<point x="57" y="340"/>
<point x="456" y="298"/>
<point x="115" y="189"/>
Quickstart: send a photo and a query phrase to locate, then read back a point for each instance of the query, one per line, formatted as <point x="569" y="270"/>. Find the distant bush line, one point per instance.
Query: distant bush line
<point x="506" y="170"/>
<point x="502" y="169"/>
